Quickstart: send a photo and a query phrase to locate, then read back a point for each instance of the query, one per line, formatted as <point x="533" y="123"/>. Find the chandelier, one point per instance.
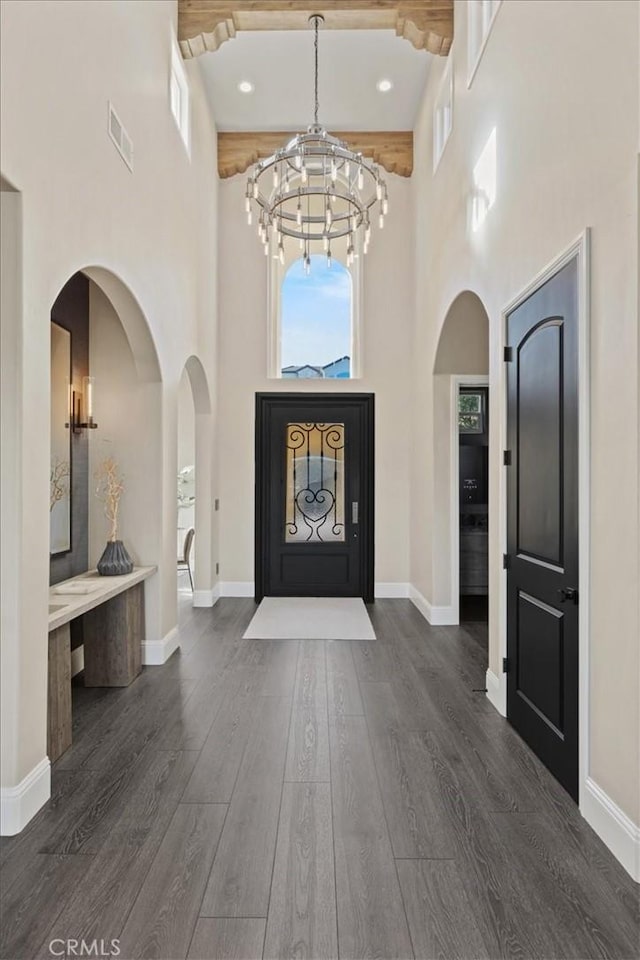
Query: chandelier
<point x="315" y="190"/>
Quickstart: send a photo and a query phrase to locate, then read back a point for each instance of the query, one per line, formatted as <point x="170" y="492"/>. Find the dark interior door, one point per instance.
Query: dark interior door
<point x="314" y="495"/>
<point x="542" y="527"/>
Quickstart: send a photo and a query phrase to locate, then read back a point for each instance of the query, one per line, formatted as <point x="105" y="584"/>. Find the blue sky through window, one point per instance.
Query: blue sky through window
<point x="315" y="313"/>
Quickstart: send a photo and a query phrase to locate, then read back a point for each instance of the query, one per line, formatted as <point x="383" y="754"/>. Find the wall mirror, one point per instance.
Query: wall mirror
<point x="60" y="477"/>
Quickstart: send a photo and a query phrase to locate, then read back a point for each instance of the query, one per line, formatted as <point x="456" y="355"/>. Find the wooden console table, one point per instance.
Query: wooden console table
<point x="113" y="633"/>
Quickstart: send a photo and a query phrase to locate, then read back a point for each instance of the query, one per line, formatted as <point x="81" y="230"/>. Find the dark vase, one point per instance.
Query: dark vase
<point x="115" y="560"/>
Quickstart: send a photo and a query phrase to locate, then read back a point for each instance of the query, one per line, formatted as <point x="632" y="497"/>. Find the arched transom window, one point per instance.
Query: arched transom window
<point x="316" y="313"/>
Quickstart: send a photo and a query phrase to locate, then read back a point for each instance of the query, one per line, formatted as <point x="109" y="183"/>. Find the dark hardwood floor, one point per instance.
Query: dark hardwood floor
<point x="310" y="799"/>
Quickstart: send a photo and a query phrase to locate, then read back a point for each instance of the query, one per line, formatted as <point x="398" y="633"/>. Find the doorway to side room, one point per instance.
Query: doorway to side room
<point x="461" y="469"/>
<point x="197" y="569"/>
<point x="186" y="481"/>
<point x="473" y="487"/>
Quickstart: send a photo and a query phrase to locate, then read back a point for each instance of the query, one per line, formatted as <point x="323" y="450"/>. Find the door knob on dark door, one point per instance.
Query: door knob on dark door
<point x="568" y="593"/>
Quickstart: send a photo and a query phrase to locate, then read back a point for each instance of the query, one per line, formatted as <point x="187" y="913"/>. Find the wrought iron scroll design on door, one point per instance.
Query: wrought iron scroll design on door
<point x="315" y="483"/>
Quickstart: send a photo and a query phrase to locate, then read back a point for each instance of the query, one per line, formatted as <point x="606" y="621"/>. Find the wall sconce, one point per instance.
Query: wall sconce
<point x="76" y="404"/>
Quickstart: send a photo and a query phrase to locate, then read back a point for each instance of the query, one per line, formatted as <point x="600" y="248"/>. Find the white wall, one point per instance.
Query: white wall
<point x="186" y="452"/>
<point x="186" y="423"/>
<point x="463" y="345"/>
<point x="153" y="229"/>
<point x="559" y="81"/>
<point x="13" y="685"/>
<point x="386" y="327"/>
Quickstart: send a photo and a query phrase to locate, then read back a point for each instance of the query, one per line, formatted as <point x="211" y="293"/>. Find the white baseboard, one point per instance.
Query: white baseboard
<point x="443" y="617"/>
<point x="19" y="804"/>
<point x="613" y="826"/>
<point x="497" y="691"/>
<point x="436" y="616"/>
<point x="420" y="602"/>
<point x="157" y="652"/>
<point x="246" y="588"/>
<point x="206" y="598"/>
<point x="392" y="590"/>
<point x="237" y="588"/>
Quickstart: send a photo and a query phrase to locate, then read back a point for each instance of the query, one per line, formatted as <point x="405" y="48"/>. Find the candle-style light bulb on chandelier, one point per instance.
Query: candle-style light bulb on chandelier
<point x="315" y="190"/>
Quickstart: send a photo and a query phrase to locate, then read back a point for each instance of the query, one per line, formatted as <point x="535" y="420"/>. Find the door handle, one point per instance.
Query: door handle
<point x="568" y="593"/>
<point x="354" y="512"/>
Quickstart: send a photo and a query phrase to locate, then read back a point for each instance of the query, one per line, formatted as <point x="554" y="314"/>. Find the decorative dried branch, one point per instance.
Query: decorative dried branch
<point x="58" y="481"/>
<point x="109" y="490"/>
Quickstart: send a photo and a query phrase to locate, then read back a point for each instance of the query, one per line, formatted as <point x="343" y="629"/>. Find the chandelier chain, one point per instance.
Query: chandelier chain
<point x="315" y="44"/>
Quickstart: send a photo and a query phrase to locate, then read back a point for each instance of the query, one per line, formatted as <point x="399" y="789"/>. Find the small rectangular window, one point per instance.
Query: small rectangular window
<point x="470" y="413"/>
<point x="481" y="15"/>
<point x="443" y="115"/>
<point x="179" y="96"/>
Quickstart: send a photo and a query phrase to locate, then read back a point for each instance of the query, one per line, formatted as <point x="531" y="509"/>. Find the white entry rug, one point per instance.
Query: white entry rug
<point x="310" y="618"/>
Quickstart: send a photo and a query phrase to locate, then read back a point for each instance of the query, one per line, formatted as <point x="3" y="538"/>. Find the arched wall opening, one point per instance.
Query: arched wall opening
<point x="118" y="352"/>
<point x="128" y="410"/>
<point x="187" y="492"/>
<point x="195" y="428"/>
<point x="461" y="360"/>
<point x="128" y="407"/>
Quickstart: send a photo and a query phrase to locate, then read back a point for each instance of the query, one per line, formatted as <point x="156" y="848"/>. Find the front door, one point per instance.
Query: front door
<point x="314" y="495"/>
<point x="542" y="525"/>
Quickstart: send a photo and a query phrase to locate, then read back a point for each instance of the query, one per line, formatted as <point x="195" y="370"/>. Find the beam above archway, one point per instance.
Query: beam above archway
<point x="393" y="150"/>
<point x="203" y="25"/>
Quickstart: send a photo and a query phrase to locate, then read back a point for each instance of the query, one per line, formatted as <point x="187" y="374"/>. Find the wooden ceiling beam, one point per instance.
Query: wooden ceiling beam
<point x="203" y="25"/>
<point x="238" y="151"/>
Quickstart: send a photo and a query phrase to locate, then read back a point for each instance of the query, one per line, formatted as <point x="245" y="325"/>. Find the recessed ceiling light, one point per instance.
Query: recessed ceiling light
<point x="245" y="86"/>
<point x="384" y="85"/>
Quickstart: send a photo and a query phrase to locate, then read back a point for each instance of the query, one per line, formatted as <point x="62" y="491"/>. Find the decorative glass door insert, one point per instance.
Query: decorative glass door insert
<point x="314" y="483"/>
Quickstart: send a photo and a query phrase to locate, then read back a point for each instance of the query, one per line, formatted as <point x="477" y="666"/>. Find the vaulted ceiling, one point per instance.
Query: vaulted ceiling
<point x="361" y="43"/>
